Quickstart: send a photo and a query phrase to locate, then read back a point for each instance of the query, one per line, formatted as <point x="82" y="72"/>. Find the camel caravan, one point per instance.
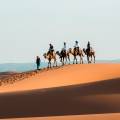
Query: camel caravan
<point x="65" y="55"/>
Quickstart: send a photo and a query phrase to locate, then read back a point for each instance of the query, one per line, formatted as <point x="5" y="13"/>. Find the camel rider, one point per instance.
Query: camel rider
<point x="64" y="48"/>
<point x="76" y="46"/>
<point x="51" y="48"/>
<point x="88" y="46"/>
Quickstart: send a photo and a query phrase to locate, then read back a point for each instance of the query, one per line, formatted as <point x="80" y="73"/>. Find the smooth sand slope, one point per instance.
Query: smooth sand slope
<point x="70" y="90"/>
<point x="64" y="76"/>
<point x="78" y="117"/>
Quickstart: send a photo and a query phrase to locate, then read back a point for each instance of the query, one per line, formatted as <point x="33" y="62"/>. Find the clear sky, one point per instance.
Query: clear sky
<point x="28" y="26"/>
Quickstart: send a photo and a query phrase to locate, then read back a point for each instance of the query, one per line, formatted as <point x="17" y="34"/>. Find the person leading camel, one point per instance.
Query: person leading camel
<point x="38" y="62"/>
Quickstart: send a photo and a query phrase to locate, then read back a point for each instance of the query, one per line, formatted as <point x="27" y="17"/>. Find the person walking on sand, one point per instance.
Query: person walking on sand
<point x="38" y="62"/>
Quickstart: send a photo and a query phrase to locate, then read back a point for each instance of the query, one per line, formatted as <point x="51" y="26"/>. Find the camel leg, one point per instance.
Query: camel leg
<point x="88" y="59"/>
<point x="94" y="58"/>
<point x="91" y="59"/>
<point x="63" y="60"/>
<point x="56" y="62"/>
<point x="81" y="60"/>
<point x="69" y="59"/>
<point x="66" y="60"/>
<point x="76" y="61"/>
<point x="48" y="64"/>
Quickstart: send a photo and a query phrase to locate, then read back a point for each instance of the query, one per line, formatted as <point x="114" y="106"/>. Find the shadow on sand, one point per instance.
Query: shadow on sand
<point x="92" y="98"/>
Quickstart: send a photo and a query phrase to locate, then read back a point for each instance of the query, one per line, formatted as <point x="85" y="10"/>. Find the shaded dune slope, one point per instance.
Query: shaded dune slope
<point x="89" y="98"/>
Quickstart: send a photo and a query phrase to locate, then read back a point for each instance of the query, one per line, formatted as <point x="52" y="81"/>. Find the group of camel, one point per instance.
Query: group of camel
<point x="65" y="56"/>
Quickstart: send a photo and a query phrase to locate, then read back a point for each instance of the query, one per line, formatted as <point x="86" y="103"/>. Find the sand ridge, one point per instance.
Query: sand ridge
<point x="66" y="91"/>
<point x="67" y="75"/>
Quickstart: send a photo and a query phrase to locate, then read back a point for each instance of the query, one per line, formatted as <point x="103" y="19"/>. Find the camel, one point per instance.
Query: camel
<point x="90" y="54"/>
<point x="49" y="56"/>
<point x="76" y="53"/>
<point x="63" y="56"/>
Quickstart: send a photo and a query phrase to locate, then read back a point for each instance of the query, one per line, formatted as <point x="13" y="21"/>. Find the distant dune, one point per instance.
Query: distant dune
<point x="65" y="91"/>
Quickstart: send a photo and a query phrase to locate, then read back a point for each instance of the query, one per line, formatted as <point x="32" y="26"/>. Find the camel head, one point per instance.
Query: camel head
<point x="45" y="55"/>
<point x="58" y="53"/>
<point x="84" y="50"/>
<point x="70" y="50"/>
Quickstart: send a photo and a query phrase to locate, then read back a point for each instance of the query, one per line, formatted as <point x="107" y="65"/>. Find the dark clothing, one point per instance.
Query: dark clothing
<point x="88" y="46"/>
<point x="63" y="52"/>
<point x="38" y="63"/>
<point x="51" y="50"/>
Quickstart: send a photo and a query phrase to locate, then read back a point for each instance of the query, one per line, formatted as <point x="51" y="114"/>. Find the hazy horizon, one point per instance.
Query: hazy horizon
<point x="28" y="26"/>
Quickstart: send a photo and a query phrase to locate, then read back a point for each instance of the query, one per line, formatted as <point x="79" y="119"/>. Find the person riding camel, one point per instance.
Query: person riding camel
<point x="76" y="47"/>
<point x="64" y="48"/>
<point x="51" y="49"/>
<point x="88" y="46"/>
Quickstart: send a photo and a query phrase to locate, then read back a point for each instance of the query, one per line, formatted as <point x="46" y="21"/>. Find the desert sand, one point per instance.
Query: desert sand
<point x="78" y="117"/>
<point x="66" y="91"/>
<point x="64" y="76"/>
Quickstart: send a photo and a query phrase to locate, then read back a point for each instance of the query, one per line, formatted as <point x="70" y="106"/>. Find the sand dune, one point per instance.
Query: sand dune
<point x="64" y="76"/>
<point x="91" y="98"/>
<point x="70" y="90"/>
<point x="77" y="117"/>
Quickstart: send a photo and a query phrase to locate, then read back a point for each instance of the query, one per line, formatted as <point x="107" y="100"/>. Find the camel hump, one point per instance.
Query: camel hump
<point x="92" y="50"/>
<point x="80" y="49"/>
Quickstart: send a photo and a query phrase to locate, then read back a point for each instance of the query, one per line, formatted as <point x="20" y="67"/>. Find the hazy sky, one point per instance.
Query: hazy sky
<point x="28" y="26"/>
